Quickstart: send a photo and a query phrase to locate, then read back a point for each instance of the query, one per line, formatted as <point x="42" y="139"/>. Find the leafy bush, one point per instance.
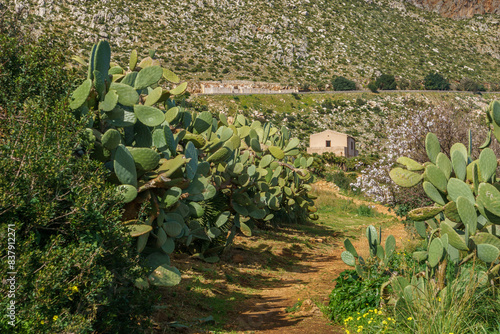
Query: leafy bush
<point x="341" y="179"/>
<point x="373" y="87"/>
<point x="435" y="81"/>
<point x="341" y="83"/>
<point x="386" y="82"/>
<point x="74" y="268"/>
<point x="467" y="84"/>
<point x="353" y="294"/>
<point x="29" y="68"/>
<point x="365" y="211"/>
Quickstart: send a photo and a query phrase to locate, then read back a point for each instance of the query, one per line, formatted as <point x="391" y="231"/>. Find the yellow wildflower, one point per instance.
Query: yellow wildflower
<point x="410" y="318"/>
<point x="42" y="322"/>
<point x="384" y="322"/>
<point x="55" y="317"/>
<point x="74" y="288"/>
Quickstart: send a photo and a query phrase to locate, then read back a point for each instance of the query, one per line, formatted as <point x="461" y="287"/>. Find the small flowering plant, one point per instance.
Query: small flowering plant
<point x="373" y="320"/>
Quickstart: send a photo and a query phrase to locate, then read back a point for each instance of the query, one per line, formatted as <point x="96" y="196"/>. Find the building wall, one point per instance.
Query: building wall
<point x="340" y="144"/>
<point x="339" y="151"/>
<point x="336" y="139"/>
<point x="351" y="147"/>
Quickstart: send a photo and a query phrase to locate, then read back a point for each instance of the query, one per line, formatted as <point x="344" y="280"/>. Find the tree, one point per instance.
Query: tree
<point x="341" y="83"/>
<point x="386" y="82"/>
<point x="435" y="81"/>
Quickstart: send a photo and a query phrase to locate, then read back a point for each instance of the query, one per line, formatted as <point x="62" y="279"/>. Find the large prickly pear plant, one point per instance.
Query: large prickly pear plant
<point x="464" y="223"/>
<point x="188" y="179"/>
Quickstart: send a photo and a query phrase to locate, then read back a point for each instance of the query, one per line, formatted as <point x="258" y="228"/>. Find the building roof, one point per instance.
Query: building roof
<point x="331" y="131"/>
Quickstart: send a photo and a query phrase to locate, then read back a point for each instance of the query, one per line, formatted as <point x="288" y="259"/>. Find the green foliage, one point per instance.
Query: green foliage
<point x="468" y="84"/>
<point x="373" y="87"/>
<point x="365" y="211"/>
<point x="30" y="68"/>
<point x="463" y="225"/>
<point x="74" y="266"/>
<point x="341" y="83"/>
<point x="198" y="179"/>
<point x="379" y="257"/>
<point x="435" y="81"/>
<point x="385" y="82"/>
<point x="353" y="294"/>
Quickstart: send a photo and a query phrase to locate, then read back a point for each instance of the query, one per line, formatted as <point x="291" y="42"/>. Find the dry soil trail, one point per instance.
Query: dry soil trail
<point x="311" y="283"/>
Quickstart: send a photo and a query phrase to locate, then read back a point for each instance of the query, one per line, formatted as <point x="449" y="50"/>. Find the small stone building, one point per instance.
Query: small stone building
<point x="334" y="142"/>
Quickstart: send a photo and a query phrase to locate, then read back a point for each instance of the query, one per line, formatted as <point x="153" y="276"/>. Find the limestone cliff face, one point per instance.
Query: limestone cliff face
<point x="459" y="8"/>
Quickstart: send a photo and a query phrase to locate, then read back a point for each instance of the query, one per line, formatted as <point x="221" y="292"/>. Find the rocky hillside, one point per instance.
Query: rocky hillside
<point x="294" y="42"/>
<point x="459" y="8"/>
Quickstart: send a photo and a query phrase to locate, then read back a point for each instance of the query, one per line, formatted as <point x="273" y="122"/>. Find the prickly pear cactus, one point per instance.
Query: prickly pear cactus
<point x="198" y="179"/>
<point x="464" y="222"/>
<point x="379" y="257"/>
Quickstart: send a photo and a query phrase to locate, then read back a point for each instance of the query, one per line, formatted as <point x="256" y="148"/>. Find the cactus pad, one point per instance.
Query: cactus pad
<point x="133" y="60"/>
<point x="432" y="146"/>
<point x="180" y="89"/>
<point x="444" y="164"/>
<point x="404" y="178"/>
<point x="145" y="159"/>
<point x="127" y="95"/>
<point x="458" y="188"/>
<point x="454" y="239"/>
<point x="487" y="164"/>
<point x="170" y="76"/>
<point x="410" y="164"/>
<point x="148" y="76"/>
<point x="139" y="229"/>
<point x="487" y="253"/>
<point x="165" y="275"/>
<point x="436" y="177"/>
<point x="433" y="193"/>
<point x="467" y="213"/>
<point x="80" y="95"/>
<point x="459" y="164"/>
<point x="124" y="166"/>
<point x="111" y="139"/>
<point x="435" y="251"/>
<point x="149" y="116"/>
<point x="110" y="101"/>
<point x="490" y="198"/>
<point x="348" y="258"/>
<point x="421" y="214"/>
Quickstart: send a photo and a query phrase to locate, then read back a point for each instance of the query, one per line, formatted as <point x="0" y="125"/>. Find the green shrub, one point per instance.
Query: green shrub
<point x="365" y="211"/>
<point x="341" y="179"/>
<point x="74" y="267"/>
<point x="341" y="83"/>
<point x="467" y="84"/>
<point x="435" y="81"/>
<point x="386" y="82"/>
<point x="29" y="68"/>
<point x="75" y="272"/>
<point x="353" y="294"/>
<point x="373" y="87"/>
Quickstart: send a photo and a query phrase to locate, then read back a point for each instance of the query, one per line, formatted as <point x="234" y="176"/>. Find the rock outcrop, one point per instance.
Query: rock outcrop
<point x="459" y="9"/>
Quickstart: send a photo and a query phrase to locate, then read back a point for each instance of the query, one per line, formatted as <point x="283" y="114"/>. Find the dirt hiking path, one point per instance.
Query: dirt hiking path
<point x="309" y="281"/>
<point x="275" y="281"/>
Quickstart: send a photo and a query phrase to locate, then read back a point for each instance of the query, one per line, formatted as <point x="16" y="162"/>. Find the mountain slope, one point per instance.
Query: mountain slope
<point x="460" y="8"/>
<point x="287" y="41"/>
